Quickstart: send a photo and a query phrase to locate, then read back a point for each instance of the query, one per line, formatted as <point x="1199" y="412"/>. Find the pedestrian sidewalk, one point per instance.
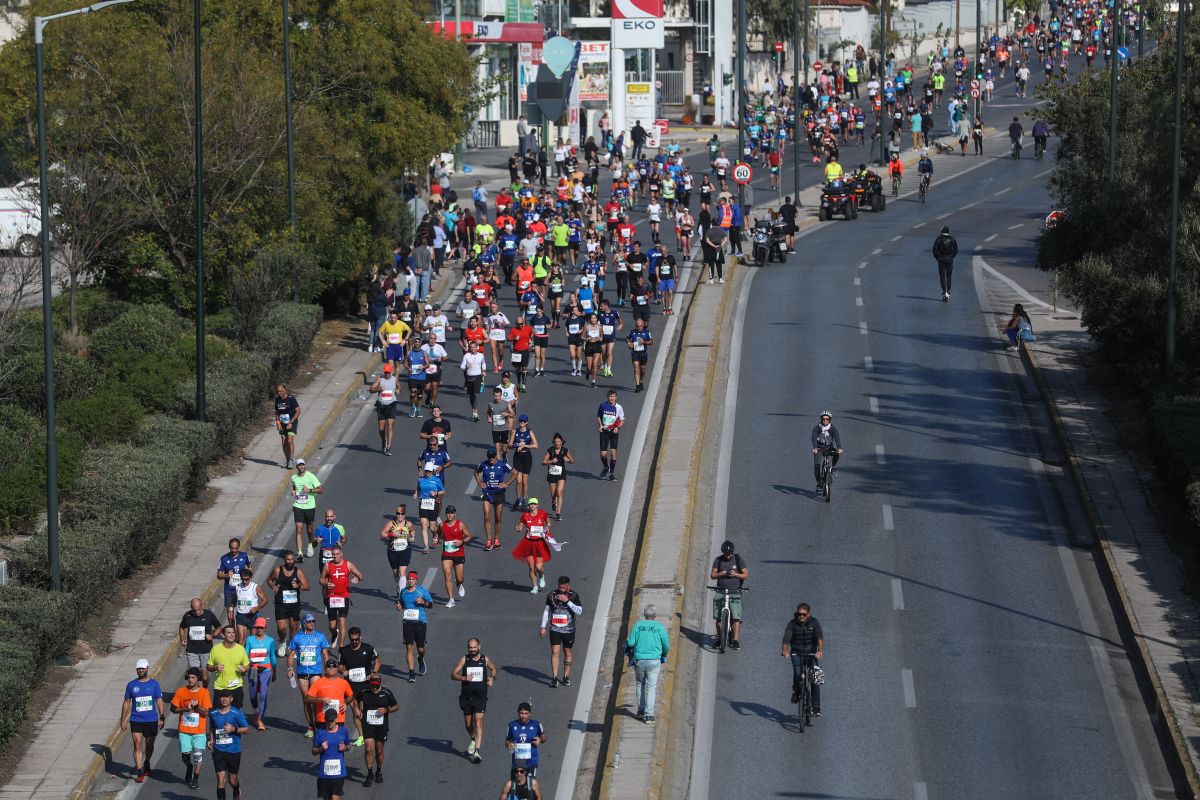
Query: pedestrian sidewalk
<point x="1162" y="620"/>
<point x="76" y="736"/>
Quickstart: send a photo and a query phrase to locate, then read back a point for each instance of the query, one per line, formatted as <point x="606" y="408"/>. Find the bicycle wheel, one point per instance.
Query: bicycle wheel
<point x="802" y="706"/>
<point x="723" y="628"/>
<point x="827" y="483"/>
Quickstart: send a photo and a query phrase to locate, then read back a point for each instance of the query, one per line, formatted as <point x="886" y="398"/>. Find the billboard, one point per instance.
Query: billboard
<point x="639" y="104"/>
<point x="593" y="72"/>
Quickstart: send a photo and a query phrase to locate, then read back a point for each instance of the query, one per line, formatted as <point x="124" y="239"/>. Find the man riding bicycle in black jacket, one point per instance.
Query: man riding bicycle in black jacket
<point x="803" y="638"/>
<point x="824" y="435"/>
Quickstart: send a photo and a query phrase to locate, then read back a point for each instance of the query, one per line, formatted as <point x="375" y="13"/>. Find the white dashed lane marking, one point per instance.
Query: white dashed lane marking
<point x="993" y="236"/>
<point x="868" y="362"/>
<point x="1014" y="227"/>
<point x="858" y="302"/>
<point x="888" y="523"/>
<point x="874" y="404"/>
<point x="897" y="595"/>
<point x="862" y="328"/>
<point x="910" y="692"/>
<point x="880" y="458"/>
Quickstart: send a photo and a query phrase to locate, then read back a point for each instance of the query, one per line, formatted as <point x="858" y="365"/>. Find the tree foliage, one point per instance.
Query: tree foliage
<point x="1111" y="254"/>
<point x="375" y="94"/>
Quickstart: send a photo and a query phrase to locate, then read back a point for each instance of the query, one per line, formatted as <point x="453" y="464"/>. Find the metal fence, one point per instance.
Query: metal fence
<point x="484" y="133"/>
<point x="671" y="93"/>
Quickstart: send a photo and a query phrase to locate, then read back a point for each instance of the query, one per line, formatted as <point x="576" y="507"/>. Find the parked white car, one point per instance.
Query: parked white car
<point x="20" y="219"/>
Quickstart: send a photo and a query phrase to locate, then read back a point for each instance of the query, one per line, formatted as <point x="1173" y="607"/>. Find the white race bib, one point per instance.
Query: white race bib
<point x="607" y="329"/>
<point x="475" y="674"/>
<point x="412" y="615"/>
<point x="337" y="601"/>
<point x="308" y="657"/>
<point x="331" y="704"/>
<point x="197" y="633"/>
<point x="428" y="503"/>
<point x="290" y="596"/>
<point x="517" y="357"/>
<point x="301" y="497"/>
<point x="284" y="419"/>
<point x="638" y="345"/>
<point x="393" y="338"/>
<point x="523" y="750"/>
<point x="331" y="767"/>
<point x="244" y="605"/>
<point x="191" y="719"/>
<point x="608" y="419"/>
<point x="556" y="469"/>
<point x="375" y="716"/>
<point x="223" y="738"/>
<point x="142" y="704"/>
<point x="258" y="655"/>
<point x="560" y="619"/>
<point x="399" y="544"/>
<point x="357" y="675"/>
<point x="496" y="334"/>
<point x="539" y="330"/>
<point x="537" y="531"/>
<point x="573" y="328"/>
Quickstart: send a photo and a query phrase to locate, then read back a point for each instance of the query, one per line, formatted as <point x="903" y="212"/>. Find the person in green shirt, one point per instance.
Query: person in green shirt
<point x="647" y="647"/>
<point x="229" y="662"/>
<point x="561" y="234"/>
<point x="304" y="507"/>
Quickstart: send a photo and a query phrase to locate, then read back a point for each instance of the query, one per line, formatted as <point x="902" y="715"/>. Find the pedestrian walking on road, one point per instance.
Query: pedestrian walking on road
<point x="647" y="647"/>
<point x="945" y="248"/>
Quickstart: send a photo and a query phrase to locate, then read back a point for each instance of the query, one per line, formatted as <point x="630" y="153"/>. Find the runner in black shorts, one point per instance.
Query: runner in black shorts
<point x="377" y="704"/>
<point x="398" y="535"/>
<point x="286" y="581"/>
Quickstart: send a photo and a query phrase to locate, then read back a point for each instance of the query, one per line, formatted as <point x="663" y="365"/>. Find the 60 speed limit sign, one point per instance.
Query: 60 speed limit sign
<point x="742" y="173"/>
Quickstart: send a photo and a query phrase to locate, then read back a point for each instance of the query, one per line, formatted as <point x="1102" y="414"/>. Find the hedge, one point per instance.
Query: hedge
<point x="285" y="336"/>
<point x="74" y="376"/>
<point x="234" y="391"/>
<point x="36" y="627"/>
<point x="140" y="331"/>
<point x="110" y="415"/>
<point x="15" y="685"/>
<point x="23" y="471"/>
<point x="198" y="440"/>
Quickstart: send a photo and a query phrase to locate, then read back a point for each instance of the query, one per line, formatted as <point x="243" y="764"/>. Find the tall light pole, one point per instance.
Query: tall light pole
<point x="1176" y="146"/>
<point x="201" y="397"/>
<point x="796" y="100"/>
<point x="288" y="131"/>
<point x="741" y="91"/>
<point x="39" y="27"/>
<point x="1112" y="99"/>
<point x="882" y="69"/>
<point x="978" y="52"/>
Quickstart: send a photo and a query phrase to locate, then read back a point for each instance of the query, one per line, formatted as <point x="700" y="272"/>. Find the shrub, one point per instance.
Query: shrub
<point x="285" y="336"/>
<point x="110" y="415"/>
<point x="44" y="622"/>
<point x="142" y="330"/>
<point x="1175" y="430"/>
<point x="234" y="390"/>
<point x="94" y="306"/>
<point x="25" y="385"/>
<point x="92" y="557"/>
<point x="197" y="440"/>
<point x="271" y="276"/>
<point x="15" y="685"/>
<point x="23" y="472"/>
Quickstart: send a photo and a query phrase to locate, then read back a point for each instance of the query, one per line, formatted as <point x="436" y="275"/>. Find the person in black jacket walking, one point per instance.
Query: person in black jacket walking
<point x="945" y="248"/>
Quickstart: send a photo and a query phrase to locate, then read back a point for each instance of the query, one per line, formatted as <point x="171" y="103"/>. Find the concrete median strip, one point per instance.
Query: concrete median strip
<point x="1166" y="713"/>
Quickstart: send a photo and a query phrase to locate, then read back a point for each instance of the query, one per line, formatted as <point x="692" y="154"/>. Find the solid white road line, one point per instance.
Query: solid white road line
<point x="993" y="236"/>
<point x="910" y="692"/>
<point x="920" y="791"/>
<point x="979" y="264"/>
<point x="888" y="523"/>
<point x="578" y="723"/>
<point x="897" y="595"/>
<point x="873" y="402"/>
<point x="880" y="458"/>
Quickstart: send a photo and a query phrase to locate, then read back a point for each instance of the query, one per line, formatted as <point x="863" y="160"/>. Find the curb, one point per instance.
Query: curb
<point x="614" y="721"/>
<point x="160" y="665"/>
<point x="1162" y="712"/>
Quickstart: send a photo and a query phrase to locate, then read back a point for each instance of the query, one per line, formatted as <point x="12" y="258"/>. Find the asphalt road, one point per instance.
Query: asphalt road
<point x="970" y="652"/>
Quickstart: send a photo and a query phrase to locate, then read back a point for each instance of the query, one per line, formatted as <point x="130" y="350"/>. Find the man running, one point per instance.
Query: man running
<point x="196" y="631"/>
<point x="476" y="673"/>
<point x="229" y="570"/>
<point x="639" y="340"/>
<point x="385" y="406"/>
<point x="358" y="660"/>
<point x="192" y="703"/>
<point x="558" y="621"/>
<point x="304" y="507"/>
<point x="330" y="692"/>
<point x="412" y="604"/>
<point x="336" y="579"/>
<point x="144" y="714"/>
<point x="286" y="582"/>
<point x="609" y="419"/>
<point x="428" y="495"/>
<point x="287" y="422"/>
<point x="330" y="744"/>
<point x="307" y="651"/>
<point x="524" y="736"/>
<point x="226" y="726"/>
<point x="377" y="705"/>
<point x="493" y="476"/>
<point x="230" y="663"/>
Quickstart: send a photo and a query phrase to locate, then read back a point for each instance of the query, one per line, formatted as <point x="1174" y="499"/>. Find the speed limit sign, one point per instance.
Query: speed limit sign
<point x="742" y="173"/>
<point x="974" y="94"/>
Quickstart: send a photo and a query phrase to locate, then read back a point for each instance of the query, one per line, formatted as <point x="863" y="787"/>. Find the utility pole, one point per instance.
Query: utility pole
<point x="1173" y="257"/>
<point x="957" y="22"/>
<point x="882" y="62"/>
<point x="741" y="91"/>
<point x="796" y="100"/>
<point x="806" y="55"/>
<point x="291" y="150"/>
<point x="1112" y="101"/>
<point x="201" y="399"/>
<point x="978" y="51"/>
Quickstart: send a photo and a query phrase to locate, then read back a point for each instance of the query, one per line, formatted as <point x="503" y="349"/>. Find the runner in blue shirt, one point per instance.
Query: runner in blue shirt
<point x="143" y="713"/>
<point x="434" y="457"/>
<point x="328" y="535"/>
<point x="411" y="604"/>
<point x="417" y="360"/>
<point x="524" y="736"/>
<point x="429" y="497"/>
<point x="229" y="570"/>
<point x="226" y="724"/>
<point x="610" y="326"/>
<point x="307" y="651"/>
<point x="493" y="477"/>
<point x="330" y="745"/>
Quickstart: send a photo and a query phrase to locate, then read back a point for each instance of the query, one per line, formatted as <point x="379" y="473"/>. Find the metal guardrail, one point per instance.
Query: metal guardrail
<point x="671" y="93"/>
<point x="485" y="133"/>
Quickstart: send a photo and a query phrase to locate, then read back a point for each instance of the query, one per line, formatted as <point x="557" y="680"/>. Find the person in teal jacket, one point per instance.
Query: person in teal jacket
<point x="647" y="647"/>
<point x="260" y="649"/>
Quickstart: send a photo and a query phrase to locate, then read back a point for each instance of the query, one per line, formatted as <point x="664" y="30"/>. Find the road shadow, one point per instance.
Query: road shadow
<point x="744" y="709"/>
<point x="525" y="673"/>
<point x="436" y="745"/>
<point x="491" y="583"/>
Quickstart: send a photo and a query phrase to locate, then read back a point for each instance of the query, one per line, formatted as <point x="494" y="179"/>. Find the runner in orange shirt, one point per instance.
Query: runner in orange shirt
<point x="192" y="703"/>
<point x="330" y="690"/>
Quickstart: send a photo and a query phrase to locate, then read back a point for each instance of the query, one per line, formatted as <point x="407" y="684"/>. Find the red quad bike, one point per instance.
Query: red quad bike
<point x="837" y="198"/>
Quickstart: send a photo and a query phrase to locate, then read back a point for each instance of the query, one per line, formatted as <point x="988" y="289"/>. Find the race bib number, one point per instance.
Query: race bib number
<point x="638" y="345"/>
<point x="412" y="615"/>
<point x="608" y="419"/>
<point x="244" y="605"/>
<point x="556" y="286"/>
<point x="197" y="633"/>
<point x="556" y="469"/>
<point x="607" y="329"/>
<point x="539" y="330"/>
<point x="399" y="544"/>
<point x="496" y="334"/>
<point x="387" y="396"/>
<point x="537" y="531"/>
<point x="523" y="750"/>
<point x="290" y="596"/>
<point x="332" y="704"/>
<point x="233" y="683"/>
<point x="222" y="738"/>
<point x="326" y="554"/>
<point x="665" y="269"/>
<point x="357" y="675"/>
<point x="331" y="768"/>
<point x="573" y="328"/>
<point x="518" y="358"/>
<point x="143" y="704"/>
<point x="475" y="674"/>
<point x="284" y="419"/>
<point x="428" y="503"/>
<point x="451" y="546"/>
<point x="337" y="601"/>
<point x="301" y="497"/>
<point x="191" y="719"/>
<point x="641" y="299"/>
<point x="258" y="655"/>
<point x="560" y="619"/>
<point x="375" y="716"/>
<point x="308" y="657"/>
<point x="393" y="338"/>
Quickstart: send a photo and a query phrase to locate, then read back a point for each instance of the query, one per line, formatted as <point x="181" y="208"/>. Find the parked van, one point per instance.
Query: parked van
<point x="20" y="219"/>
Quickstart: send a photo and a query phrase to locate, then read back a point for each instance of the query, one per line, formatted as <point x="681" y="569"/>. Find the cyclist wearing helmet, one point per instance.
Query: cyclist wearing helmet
<point x="729" y="571"/>
<point x="925" y="167"/>
<point x="824" y="434"/>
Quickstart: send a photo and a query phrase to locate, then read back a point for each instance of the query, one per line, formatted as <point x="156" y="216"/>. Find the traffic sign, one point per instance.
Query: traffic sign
<point x="1123" y="52"/>
<point x="975" y="84"/>
<point x="975" y="94"/>
<point x="742" y="173"/>
<point x="818" y="66"/>
<point x="779" y="47"/>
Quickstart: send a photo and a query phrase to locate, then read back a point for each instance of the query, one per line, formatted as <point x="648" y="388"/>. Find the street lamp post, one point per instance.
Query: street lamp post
<point x="39" y="27"/>
<point x="201" y="396"/>
<point x="287" y="112"/>
<point x="882" y="72"/>
<point x="1113" y="44"/>
<point x="796" y="102"/>
<point x="741" y="91"/>
<point x="1173" y="256"/>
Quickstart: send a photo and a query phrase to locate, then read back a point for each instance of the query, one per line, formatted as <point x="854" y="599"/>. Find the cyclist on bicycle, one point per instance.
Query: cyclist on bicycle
<point x="804" y="639"/>
<point x="925" y="169"/>
<point x="1041" y="132"/>
<point x="895" y="167"/>
<point x="825" y="436"/>
<point x="729" y="571"/>
<point x="1015" y="134"/>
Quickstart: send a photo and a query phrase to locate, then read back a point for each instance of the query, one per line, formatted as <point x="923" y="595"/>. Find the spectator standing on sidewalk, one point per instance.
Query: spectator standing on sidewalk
<point x="647" y="646"/>
<point x="638" y="136"/>
<point x="479" y="195"/>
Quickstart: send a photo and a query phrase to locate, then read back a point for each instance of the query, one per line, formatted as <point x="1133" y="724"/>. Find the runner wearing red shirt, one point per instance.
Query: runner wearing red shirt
<point x="336" y="579"/>
<point x="521" y="336"/>
<point x="532" y="549"/>
<point x="453" y="535"/>
<point x="625" y="233"/>
<point x="481" y="290"/>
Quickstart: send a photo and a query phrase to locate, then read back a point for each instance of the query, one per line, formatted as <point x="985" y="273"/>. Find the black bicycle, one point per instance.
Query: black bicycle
<point x="725" y="617"/>
<point x="827" y="454"/>
<point x="804" y="705"/>
<point x="923" y="189"/>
